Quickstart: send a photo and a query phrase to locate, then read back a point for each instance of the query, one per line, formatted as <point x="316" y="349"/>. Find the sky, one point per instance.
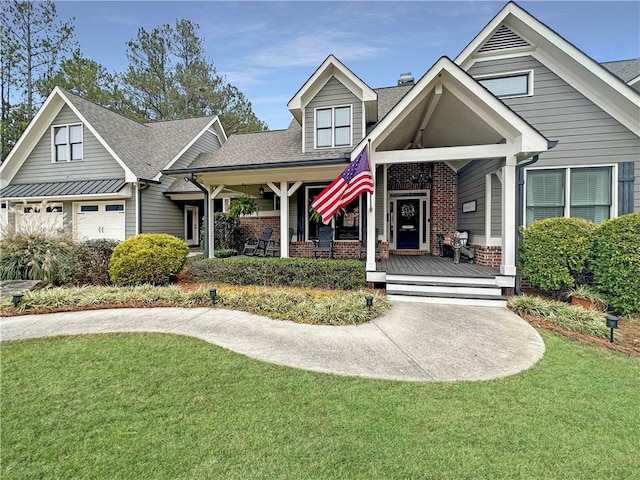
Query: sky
<point x="269" y="49"/>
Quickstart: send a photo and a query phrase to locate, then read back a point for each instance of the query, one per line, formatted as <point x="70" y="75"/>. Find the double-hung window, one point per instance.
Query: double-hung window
<point x="584" y="192"/>
<point x="518" y="84"/>
<point x="333" y="127"/>
<point x="67" y="143"/>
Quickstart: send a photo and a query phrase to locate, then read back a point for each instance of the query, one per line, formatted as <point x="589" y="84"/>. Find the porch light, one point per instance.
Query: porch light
<point x="261" y="191"/>
<point x="612" y="322"/>
<point x="369" y="299"/>
<point x="16" y="299"/>
<point x="213" y="293"/>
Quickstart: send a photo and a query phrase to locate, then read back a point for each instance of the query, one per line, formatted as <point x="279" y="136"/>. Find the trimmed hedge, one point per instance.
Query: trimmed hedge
<point x="292" y="272"/>
<point x="89" y="263"/>
<point x="554" y="253"/>
<point x="152" y="258"/>
<point x="616" y="262"/>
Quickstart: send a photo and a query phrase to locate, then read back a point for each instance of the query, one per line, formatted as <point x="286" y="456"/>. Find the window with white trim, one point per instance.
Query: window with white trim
<point x="333" y="127"/>
<point x="67" y="143"/>
<point x="518" y="84"/>
<point x="584" y="192"/>
<point x="346" y="224"/>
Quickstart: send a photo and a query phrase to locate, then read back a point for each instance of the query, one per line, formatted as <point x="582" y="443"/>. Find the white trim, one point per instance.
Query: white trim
<point x="495" y="76"/>
<point x="487" y="204"/>
<point x="195" y="218"/>
<point x="443" y="154"/>
<point x="509" y="228"/>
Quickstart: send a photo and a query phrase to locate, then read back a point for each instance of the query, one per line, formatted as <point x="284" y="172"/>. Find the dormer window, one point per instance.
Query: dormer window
<point x="517" y="84"/>
<point x="333" y="127"/>
<point x="67" y="143"/>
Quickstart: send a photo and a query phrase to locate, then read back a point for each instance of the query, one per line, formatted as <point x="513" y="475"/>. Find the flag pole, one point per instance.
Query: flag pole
<point x="372" y="172"/>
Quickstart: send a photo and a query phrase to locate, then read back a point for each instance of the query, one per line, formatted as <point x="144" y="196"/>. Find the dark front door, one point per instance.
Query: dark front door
<point x="408" y="223"/>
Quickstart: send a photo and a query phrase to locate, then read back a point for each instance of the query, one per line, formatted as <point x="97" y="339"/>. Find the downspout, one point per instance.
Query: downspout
<point x="193" y="179"/>
<point x="141" y="186"/>
<point x="519" y="213"/>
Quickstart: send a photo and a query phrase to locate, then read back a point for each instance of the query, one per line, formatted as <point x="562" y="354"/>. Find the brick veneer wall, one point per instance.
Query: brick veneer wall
<point x="488" y="256"/>
<point x="444" y="203"/>
<point x="255" y="225"/>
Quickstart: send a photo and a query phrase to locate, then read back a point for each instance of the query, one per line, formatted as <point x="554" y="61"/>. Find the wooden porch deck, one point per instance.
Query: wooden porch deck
<point x="433" y="266"/>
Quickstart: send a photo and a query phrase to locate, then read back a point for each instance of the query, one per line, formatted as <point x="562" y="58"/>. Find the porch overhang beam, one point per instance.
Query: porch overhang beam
<point x="443" y="154"/>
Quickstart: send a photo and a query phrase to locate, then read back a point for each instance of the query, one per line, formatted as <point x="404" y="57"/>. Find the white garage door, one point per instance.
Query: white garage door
<point x="97" y="220"/>
<point x="42" y="217"/>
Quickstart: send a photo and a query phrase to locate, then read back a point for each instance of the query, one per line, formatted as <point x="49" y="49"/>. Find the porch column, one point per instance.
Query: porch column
<point x="508" y="264"/>
<point x="284" y="220"/>
<point x="371" y="232"/>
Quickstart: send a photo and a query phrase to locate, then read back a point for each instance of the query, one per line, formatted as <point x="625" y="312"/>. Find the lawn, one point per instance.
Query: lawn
<point x="161" y="406"/>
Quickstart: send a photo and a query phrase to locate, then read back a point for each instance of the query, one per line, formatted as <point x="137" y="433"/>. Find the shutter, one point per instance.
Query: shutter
<point x="625" y="188"/>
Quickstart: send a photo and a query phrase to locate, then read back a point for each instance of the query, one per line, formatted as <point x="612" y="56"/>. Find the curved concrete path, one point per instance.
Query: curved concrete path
<point x="413" y="341"/>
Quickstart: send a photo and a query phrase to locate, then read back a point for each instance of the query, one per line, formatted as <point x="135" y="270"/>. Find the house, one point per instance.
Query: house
<point x="99" y="173"/>
<point x="521" y="125"/>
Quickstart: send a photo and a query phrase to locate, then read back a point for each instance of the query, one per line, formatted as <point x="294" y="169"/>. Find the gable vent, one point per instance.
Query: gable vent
<point x="503" y="38"/>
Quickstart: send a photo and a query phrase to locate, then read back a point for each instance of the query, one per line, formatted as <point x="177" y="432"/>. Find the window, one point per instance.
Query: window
<point x="333" y="127"/>
<point x="67" y="143"/>
<point x="118" y="207"/>
<point x="512" y="85"/>
<point x="347" y="225"/>
<point x="569" y="192"/>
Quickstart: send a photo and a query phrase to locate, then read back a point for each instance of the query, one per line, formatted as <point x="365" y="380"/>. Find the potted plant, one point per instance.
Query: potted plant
<point x="587" y="297"/>
<point x="241" y="206"/>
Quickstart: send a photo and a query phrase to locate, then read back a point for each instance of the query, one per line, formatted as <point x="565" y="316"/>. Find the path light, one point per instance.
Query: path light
<point x="612" y="322"/>
<point x="369" y="299"/>
<point x="16" y="299"/>
<point x="212" y="293"/>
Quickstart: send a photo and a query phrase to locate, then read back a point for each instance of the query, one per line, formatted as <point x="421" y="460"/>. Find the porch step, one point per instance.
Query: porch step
<point x="478" y="291"/>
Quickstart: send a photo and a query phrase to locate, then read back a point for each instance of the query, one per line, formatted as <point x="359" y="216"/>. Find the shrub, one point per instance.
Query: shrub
<point x="152" y="258"/>
<point x="294" y="272"/>
<point x="554" y="253"/>
<point x="228" y="234"/>
<point x="89" y="263"/>
<point x="34" y="254"/>
<point x="616" y="262"/>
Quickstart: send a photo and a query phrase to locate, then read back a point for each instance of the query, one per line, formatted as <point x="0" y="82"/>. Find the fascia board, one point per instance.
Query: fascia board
<point x="31" y="136"/>
<point x="129" y="176"/>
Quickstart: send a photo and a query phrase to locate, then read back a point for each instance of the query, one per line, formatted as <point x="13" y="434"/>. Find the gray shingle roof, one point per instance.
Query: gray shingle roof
<point x="57" y="189"/>
<point x="145" y="148"/>
<point x="626" y="70"/>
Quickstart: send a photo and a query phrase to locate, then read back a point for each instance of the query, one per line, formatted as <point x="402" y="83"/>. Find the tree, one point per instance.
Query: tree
<point x="92" y="81"/>
<point x="170" y="77"/>
<point x="31" y="44"/>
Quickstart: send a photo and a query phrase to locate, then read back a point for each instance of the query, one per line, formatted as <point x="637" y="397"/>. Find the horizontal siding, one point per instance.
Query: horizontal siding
<point x="471" y="186"/>
<point x="636" y="197"/>
<point x="381" y="223"/>
<point x="207" y="143"/>
<point x="586" y="134"/>
<point x="159" y="214"/>
<point x="130" y="216"/>
<point x="97" y="163"/>
<point x="496" y="206"/>
<point x="333" y="94"/>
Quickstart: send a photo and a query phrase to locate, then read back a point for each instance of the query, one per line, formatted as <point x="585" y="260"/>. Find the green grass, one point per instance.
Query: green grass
<point x="158" y="406"/>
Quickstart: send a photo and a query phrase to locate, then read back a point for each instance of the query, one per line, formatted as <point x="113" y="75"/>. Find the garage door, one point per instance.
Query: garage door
<point x="97" y="220"/>
<point x="45" y="217"/>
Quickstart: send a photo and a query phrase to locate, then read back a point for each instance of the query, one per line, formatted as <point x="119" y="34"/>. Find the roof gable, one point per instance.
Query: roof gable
<point x="330" y="68"/>
<point x="572" y="65"/>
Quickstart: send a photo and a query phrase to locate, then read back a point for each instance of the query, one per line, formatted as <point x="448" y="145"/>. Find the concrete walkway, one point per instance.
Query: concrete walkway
<point x="412" y="342"/>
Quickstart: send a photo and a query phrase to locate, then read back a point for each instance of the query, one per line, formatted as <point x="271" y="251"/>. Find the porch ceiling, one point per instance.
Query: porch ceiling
<point x="447" y="122"/>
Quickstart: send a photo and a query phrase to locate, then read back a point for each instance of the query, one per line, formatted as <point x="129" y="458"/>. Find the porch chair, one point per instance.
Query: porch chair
<point x="274" y="247"/>
<point x="363" y="243"/>
<point x="254" y="244"/>
<point x="324" y="243"/>
<point x="456" y="244"/>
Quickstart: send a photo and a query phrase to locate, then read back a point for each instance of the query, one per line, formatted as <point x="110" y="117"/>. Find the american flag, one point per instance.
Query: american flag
<point x="356" y="179"/>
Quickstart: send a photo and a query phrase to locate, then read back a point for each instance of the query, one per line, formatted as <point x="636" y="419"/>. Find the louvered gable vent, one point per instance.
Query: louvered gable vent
<point x="503" y="39"/>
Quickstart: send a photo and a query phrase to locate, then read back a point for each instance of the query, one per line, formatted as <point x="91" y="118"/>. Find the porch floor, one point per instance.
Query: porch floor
<point x="434" y="266"/>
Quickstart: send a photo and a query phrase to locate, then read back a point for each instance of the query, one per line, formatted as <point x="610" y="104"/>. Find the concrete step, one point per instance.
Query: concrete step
<point x="476" y="302"/>
<point x="444" y="289"/>
<point x="419" y="279"/>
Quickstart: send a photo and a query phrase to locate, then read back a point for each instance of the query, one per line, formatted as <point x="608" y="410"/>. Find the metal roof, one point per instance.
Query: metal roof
<point x="59" y="189"/>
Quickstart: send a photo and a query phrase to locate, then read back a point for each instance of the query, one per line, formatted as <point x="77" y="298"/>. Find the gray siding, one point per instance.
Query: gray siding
<point x="379" y="199"/>
<point x="636" y="197"/>
<point x="159" y="214"/>
<point x="471" y="186"/>
<point x="333" y="94"/>
<point x="97" y="163"/>
<point x="130" y="215"/>
<point x="207" y="143"/>
<point x="586" y="134"/>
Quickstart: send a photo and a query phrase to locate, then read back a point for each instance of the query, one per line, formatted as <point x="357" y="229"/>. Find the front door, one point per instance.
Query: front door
<point x="191" y="227"/>
<point x="408" y="223"/>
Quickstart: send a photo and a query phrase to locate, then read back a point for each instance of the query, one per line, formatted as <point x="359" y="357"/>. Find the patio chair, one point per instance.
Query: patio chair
<point x="254" y="244"/>
<point x="274" y="247"/>
<point x="363" y="243"/>
<point x="324" y="243"/>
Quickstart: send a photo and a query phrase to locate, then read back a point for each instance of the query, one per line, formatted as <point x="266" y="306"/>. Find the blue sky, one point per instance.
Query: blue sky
<point x="269" y="49"/>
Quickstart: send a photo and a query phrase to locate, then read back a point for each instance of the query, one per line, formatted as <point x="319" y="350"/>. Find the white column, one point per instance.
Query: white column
<point x="509" y="186"/>
<point x="284" y="220"/>
<point x="213" y="193"/>
<point x="371" y="233"/>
